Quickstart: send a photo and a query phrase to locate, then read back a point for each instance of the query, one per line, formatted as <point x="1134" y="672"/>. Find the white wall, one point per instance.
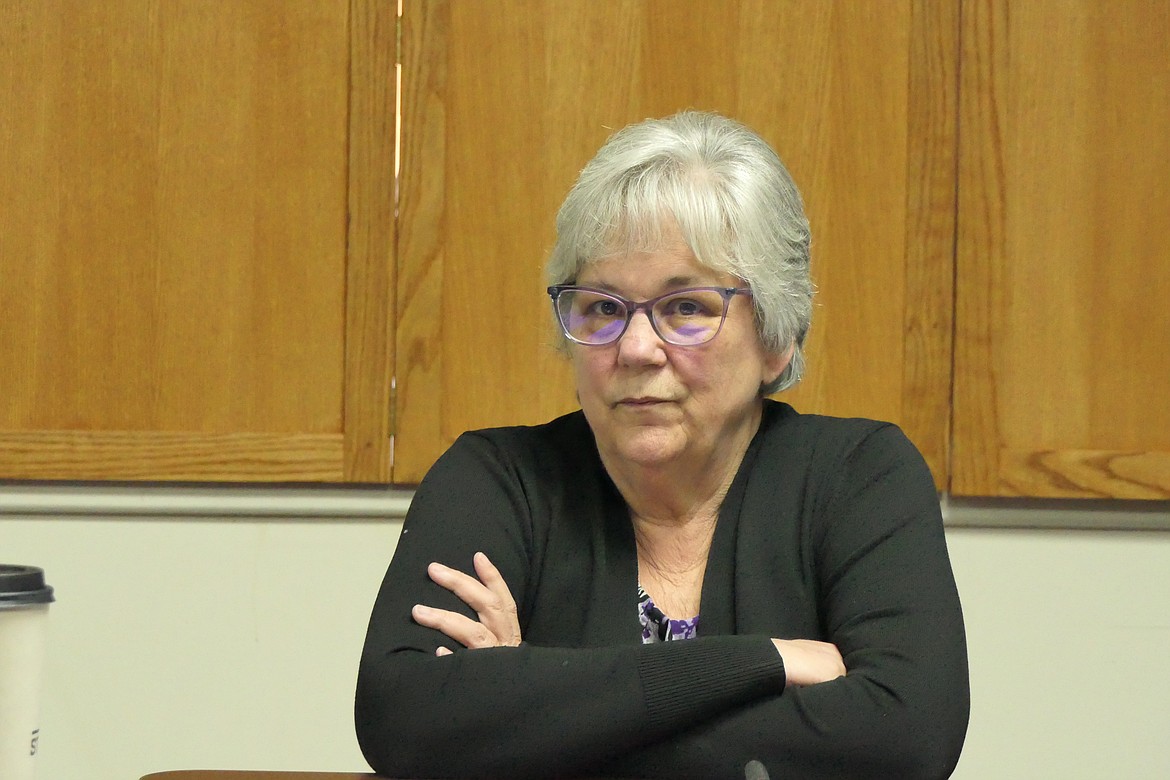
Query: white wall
<point x="1068" y="636"/>
<point x="233" y="643"/>
<point x="201" y="643"/>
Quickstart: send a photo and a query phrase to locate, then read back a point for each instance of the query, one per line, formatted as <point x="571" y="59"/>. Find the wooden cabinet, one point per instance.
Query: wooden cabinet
<point x="504" y="102"/>
<point x="1062" y="345"/>
<point x="208" y="271"/>
<point x="196" y="228"/>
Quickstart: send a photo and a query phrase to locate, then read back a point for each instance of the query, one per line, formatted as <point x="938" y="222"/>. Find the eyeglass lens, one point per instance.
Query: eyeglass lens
<point x="687" y="317"/>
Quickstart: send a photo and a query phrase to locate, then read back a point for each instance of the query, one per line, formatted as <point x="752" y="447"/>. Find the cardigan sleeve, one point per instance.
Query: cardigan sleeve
<point x="531" y="710"/>
<point x="888" y="601"/>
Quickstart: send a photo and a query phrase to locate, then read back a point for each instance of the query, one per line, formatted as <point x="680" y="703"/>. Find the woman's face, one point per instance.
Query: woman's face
<point x="654" y="404"/>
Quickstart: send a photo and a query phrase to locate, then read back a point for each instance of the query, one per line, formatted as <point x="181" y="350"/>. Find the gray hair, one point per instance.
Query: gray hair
<point x="724" y="190"/>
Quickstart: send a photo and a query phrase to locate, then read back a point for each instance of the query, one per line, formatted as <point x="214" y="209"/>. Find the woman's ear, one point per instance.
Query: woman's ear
<point x="776" y="362"/>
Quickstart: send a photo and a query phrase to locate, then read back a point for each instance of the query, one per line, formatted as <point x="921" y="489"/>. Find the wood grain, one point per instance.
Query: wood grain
<point x="179" y="456"/>
<point x="500" y="113"/>
<point x="980" y="250"/>
<point x="1064" y="272"/>
<point x="369" y="328"/>
<point x="1085" y="474"/>
<point x="932" y="149"/>
<point x="422" y="178"/>
<point x="196" y="232"/>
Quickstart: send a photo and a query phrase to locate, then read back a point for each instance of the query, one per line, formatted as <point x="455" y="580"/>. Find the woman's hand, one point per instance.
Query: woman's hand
<point x="498" y="625"/>
<point x="808" y="662"/>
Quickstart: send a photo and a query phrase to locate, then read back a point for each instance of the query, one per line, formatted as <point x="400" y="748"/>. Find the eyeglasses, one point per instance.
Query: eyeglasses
<point x="685" y="318"/>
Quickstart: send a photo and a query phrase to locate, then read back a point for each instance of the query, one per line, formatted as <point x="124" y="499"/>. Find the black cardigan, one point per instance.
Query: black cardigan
<point x="831" y="530"/>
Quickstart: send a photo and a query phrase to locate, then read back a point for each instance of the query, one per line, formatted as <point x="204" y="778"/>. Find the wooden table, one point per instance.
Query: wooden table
<point x="235" y="774"/>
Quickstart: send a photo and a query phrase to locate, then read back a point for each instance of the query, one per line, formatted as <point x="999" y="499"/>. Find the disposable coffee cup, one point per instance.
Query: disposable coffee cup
<point x="24" y="617"/>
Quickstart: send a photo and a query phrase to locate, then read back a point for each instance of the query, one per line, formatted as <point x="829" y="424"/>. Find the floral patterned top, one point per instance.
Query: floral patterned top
<point x="657" y="627"/>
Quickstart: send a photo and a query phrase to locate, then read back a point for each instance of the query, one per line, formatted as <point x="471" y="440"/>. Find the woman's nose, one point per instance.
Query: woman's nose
<point x="640" y="343"/>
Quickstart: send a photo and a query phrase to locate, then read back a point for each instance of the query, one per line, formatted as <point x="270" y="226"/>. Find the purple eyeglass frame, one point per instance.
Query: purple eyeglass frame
<point x="633" y="307"/>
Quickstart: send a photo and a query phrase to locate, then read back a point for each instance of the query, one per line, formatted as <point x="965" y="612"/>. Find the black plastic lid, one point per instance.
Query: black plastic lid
<point x="23" y="585"/>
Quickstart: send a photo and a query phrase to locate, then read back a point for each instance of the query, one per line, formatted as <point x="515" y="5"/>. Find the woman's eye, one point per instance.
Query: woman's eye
<point x="685" y="307"/>
<point x="604" y="308"/>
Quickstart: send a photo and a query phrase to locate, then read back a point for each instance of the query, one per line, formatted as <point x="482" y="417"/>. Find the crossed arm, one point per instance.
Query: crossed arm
<point x="806" y="661"/>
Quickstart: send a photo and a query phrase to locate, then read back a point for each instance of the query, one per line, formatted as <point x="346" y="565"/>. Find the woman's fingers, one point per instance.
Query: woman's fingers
<point x="492" y="579"/>
<point x="462" y="629"/>
<point x="488" y="595"/>
<point x="501" y="618"/>
<point x="470" y="590"/>
<point x="808" y="662"/>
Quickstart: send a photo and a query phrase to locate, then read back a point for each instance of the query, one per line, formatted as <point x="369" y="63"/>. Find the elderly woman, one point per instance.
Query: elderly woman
<point x="683" y="577"/>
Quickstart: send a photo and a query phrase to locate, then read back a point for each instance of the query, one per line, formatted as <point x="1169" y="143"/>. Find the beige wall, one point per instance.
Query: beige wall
<point x="1067" y="635"/>
<point x="192" y="642"/>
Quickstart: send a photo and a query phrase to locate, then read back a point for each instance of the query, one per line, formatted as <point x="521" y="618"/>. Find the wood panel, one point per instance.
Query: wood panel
<point x="371" y="273"/>
<point x="503" y="103"/>
<point x="196" y="221"/>
<point x="1063" y="259"/>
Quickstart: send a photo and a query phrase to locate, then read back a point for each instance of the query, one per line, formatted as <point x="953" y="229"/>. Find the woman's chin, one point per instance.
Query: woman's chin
<point x="650" y="447"/>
